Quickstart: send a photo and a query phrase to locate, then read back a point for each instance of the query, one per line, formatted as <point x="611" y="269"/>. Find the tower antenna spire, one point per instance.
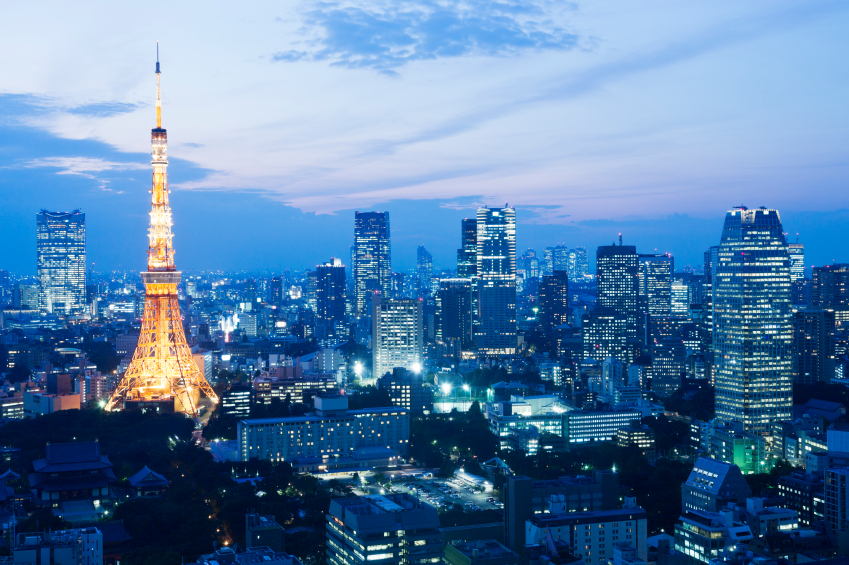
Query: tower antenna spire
<point x="158" y="92"/>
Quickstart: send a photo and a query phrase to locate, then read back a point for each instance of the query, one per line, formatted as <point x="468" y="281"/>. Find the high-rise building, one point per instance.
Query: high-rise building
<point x="796" y="252"/>
<point x="397" y="335"/>
<point x="530" y="264"/>
<point x="496" y="274"/>
<point x="454" y="311"/>
<point x="752" y="321"/>
<point x="813" y="346"/>
<point x="560" y="258"/>
<point x="372" y="258"/>
<point x="617" y="271"/>
<point x="548" y="261"/>
<point x="669" y="363"/>
<point x="830" y="290"/>
<point x="60" y="238"/>
<point x="467" y="255"/>
<point x="330" y="293"/>
<point x="680" y="298"/>
<point x="553" y="301"/>
<point x="162" y="375"/>
<point x="655" y="285"/>
<point x="605" y="335"/>
<point x="581" y="264"/>
<point x="424" y="270"/>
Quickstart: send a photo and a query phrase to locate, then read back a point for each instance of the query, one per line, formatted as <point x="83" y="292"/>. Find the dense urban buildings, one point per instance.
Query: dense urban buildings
<point x="372" y="260"/>
<point x="61" y="253"/>
<point x="752" y="321"/>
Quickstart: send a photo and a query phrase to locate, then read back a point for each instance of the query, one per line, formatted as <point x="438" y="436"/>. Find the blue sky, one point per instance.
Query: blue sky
<point x="650" y="119"/>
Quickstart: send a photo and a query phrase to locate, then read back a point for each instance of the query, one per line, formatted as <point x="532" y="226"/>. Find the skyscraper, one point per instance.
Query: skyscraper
<point x="604" y="335"/>
<point x="330" y="294"/>
<point x="60" y="251"/>
<point x="680" y="298"/>
<point x="553" y="301"/>
<point x="424" y="271"/>
<point x="752" y="321"/>
<point x="372" y="258"/>
<point x="813" y="346"/>
<point x="397" y="334"/>
<point x="467" y="255"/>
<point x="560" y="258"/>
<point x="617" y="268"/>
<point x="454" y="311"/>
<point x="581" y="264"/>
<point x="655" y="284"/>
<point x="796" y="251"/>
<point x="830" y="290"/>
<point x="547" y="261"/>
<point x="496" y="273"/>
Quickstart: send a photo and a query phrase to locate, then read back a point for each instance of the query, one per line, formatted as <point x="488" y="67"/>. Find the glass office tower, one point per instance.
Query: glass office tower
<point x="496" y="282"/>
<point x="61" y="261"/>
<point x="752" y="321"/>
<point x="372" y="258"/>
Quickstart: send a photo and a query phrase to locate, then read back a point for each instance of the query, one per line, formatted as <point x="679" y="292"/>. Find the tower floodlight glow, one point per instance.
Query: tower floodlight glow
<point x="162" y="371"/>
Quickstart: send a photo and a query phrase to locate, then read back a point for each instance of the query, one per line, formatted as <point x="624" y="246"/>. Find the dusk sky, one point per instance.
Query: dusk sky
<point x="651" y="119"/>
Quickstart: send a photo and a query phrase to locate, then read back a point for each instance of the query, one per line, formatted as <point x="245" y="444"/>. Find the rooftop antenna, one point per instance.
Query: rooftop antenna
<point x="620" y="239"/>
<point x="158" y="93"/>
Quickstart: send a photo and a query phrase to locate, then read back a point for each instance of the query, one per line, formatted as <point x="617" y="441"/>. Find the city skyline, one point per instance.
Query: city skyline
<point x="668" y="126"/>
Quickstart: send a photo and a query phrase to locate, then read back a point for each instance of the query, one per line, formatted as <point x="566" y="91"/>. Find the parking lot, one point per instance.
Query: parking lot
<point x="444" y="493"/>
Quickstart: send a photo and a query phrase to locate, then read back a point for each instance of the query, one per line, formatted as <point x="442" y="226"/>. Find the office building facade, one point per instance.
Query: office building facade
<point x="617" y="273"/>
<point x="553" y="301"/>
<point x="372" y="258"/>
<point x="454" y="311"/>
<point x="330" y="294"/>
<point x="830" y="290"/>
<point x="424" y="271"/>
<point x="813" y="346"/>
<point x="395" y="529"/>
<point x="397" y="335"/>
<point x="496" y="281"/>
<point x="61" y="254"/>
<point x="332" y="431"/>
<point x="752" y="321"/>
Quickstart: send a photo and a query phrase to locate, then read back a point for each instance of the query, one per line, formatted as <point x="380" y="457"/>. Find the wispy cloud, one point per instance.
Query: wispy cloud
<point x="388" y="35"/>
<point x="103" y="109"/>
<point x="84" y="166"/>
<point x="87" y="167"/>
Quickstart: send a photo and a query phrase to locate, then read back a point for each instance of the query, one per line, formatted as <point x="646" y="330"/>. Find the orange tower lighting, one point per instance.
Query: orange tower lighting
<point x="162" y="370"/>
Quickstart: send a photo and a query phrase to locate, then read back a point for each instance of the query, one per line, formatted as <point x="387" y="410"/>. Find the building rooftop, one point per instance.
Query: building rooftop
<point x="77" y="456"/>
<point x="311" y="418"/>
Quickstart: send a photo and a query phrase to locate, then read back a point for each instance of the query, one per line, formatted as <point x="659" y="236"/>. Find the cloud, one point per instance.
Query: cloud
<point x="388" y="35"/>
<point x="103" y="109"/>
<point x="84" y="166"/>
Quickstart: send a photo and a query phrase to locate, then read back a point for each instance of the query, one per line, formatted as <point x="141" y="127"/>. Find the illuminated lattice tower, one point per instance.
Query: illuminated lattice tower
<point x="163" y="373"/>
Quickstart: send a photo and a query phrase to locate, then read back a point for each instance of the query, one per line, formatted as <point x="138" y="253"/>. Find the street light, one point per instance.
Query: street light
<point x="358" y="369"/>
<point x="416" y="367"/>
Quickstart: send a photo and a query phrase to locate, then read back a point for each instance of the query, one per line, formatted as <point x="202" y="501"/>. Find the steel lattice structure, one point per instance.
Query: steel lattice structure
<point x="162" y="368"/>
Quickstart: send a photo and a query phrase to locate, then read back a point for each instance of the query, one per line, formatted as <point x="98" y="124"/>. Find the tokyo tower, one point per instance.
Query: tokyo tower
<point x="162" y="374"/>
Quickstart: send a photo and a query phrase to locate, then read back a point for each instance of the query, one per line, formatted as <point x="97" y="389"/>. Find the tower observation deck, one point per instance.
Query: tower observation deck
<point x="162" y="375"/>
